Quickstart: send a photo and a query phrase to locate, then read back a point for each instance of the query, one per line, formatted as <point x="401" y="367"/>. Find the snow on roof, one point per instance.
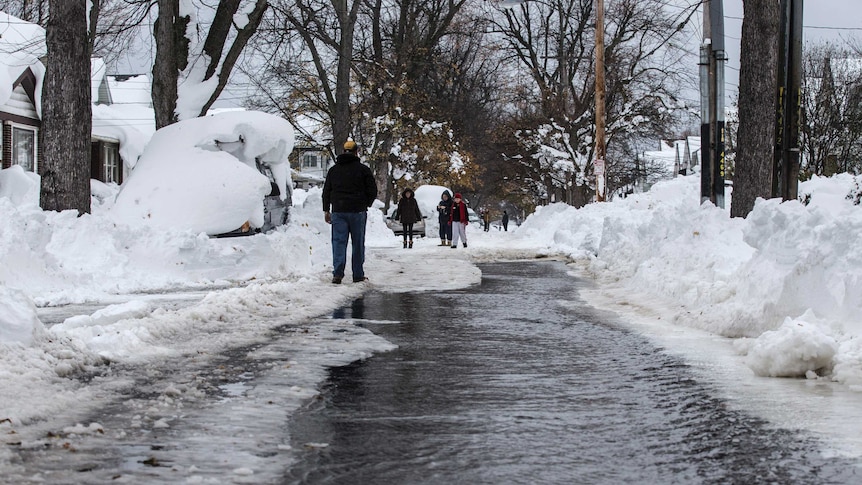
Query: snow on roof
<point x="97" y="75"/>
<point x="21" y="45"/>
<point x="131" y="125"/>
<point x="130" y="89"/>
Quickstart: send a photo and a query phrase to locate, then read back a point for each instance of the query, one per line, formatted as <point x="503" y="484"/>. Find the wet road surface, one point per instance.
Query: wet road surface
<point x="512" y="381"/>
<point x="516" y="381"/>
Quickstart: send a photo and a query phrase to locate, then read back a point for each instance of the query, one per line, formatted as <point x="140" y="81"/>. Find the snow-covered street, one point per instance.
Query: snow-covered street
<point x="736" y="300"/>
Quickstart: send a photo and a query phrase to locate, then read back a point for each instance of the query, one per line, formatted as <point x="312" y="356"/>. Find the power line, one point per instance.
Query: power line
<point x="814" y="27"/>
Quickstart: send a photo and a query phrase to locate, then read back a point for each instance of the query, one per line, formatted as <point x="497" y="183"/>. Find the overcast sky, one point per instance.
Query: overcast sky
<point x="821" y="19"/>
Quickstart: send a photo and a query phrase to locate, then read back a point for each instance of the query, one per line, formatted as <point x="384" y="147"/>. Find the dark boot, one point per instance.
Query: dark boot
<point x="405" y="244"/>
<point x="465" y="245"/>
<point x="410" y="245"/>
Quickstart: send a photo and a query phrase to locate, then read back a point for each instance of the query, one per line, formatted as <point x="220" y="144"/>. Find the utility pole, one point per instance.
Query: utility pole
<point x="785" y="170"/>
<point x="712" y="58"/>
<point x="705" y="151"/>
<point x="600" y="151"/>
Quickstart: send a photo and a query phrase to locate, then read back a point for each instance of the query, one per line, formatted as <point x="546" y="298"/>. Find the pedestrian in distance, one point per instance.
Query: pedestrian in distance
<point x="505" y="221"/>
<point x="458" y="220"/>
<point x="348" y="192"/>
<point x="444" y="210"/>
<point x="408" y="213"/>
<point x="486" y="219"/>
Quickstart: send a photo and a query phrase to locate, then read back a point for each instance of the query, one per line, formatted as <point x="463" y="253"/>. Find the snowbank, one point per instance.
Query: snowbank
<point x="789" y="275"/>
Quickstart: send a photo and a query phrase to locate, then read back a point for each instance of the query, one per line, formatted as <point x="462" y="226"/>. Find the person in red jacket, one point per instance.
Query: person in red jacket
<point x="458" y="219"/>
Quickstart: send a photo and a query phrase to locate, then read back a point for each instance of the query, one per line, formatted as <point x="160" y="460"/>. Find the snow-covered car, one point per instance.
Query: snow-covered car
<point x="223" y="175"/>
<point x="275" y="209"/>
<point x="398" y="228"/>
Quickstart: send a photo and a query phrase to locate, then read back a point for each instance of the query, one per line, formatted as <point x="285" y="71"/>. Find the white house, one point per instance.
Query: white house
<point x="21" y="75"/>
<point x="123" y="122"/>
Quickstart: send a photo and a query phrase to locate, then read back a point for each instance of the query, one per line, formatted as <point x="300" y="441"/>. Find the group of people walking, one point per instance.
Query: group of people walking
<point x="348" y="192"/>
<point x="453" y="218"/>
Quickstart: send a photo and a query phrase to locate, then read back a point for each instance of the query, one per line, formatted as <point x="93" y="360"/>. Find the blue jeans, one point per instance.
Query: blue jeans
<point x="350" y="224"/>
<point x="445" y="229"/>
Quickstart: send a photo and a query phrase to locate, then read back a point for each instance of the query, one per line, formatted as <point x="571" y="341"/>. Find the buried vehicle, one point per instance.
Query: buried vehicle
<point x="276" y="210"/>
<point x="398" y="228"/>
<point x="222" y="175"/>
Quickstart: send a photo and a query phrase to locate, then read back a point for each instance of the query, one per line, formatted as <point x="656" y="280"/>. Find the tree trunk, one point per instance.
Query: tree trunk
<point x="66" y="110"/>
<point x="341" y="121"/>
<point x="172" y="52"/>
<point x="757" y="105"/>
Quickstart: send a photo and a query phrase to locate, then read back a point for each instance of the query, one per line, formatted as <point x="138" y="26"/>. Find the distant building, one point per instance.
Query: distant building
<point x="311" y="158"/>
<point x="673" y="158"/>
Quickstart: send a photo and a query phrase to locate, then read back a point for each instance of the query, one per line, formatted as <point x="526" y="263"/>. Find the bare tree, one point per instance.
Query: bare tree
<point x="33" y="11"/>
<point x="214" y="57"/>
<point x="172" y="56"/>
<point x="552" y="43"/>
<point x="400" y="41"/>
<point x="757" y="106"/>
<point x="367" y="68"/>
<point x="66" y="109"/>
<point x="831" y="127"/>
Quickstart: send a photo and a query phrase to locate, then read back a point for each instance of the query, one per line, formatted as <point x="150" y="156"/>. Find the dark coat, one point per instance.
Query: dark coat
<point x="349" y="186"/>
<point x="408" y="209"/>
<point x="444" y="207"/>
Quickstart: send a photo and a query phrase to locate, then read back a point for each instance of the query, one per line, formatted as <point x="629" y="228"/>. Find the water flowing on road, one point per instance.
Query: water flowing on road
<point x="517" y="381"/>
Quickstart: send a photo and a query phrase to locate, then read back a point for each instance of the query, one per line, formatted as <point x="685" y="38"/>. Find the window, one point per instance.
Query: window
<point x="24" y="148"/>
<point x="111" y="163"/>
<point x="309" y="160"/>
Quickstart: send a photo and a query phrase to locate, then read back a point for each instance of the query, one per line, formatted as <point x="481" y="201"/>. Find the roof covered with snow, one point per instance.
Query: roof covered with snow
<point x="22" y="44"/>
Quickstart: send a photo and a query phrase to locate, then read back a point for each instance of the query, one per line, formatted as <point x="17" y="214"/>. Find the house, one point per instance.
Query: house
<point x="310" y="164"/>
<point x="123" y="119"/>
<point x="21" y="75"/>
<point x="123" y="122"/>
<point x="673" y="158"/>
<point x="311" y="158"/>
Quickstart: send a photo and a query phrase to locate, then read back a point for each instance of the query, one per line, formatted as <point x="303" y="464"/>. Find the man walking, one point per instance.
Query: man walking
<point x="349" y="191"/>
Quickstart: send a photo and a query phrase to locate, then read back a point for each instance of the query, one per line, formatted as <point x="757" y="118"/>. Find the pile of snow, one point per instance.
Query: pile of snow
<point x="787" y="280"/>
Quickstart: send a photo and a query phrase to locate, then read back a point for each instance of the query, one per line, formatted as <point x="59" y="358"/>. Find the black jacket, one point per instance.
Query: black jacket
<point x="408" y="209"/>
<point x="444" y="207"/>
<point x="349" y="186"/>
